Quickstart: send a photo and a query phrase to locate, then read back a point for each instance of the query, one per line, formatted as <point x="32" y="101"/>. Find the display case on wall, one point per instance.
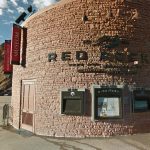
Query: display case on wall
<point x="141" y="100"/>
<point x="107" y="102"/>
<point x="72" y="101"/>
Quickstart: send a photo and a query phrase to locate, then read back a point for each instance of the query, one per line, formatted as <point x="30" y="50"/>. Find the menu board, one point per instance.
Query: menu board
<point x="108" y="107"/>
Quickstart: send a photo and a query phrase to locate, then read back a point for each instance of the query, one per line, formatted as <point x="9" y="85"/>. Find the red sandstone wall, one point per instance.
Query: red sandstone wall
<point x="61" y="29"/>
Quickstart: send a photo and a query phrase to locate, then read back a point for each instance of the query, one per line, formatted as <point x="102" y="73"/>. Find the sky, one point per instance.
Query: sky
<point x="10" y="10"/>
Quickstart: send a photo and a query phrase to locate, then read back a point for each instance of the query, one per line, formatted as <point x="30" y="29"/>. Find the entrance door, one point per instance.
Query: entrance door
<point x="28" y="105"/>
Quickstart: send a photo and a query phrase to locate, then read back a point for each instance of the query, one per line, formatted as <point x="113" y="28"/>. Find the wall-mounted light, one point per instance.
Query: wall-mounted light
<point x="21" y="18"/>
<point x="24" y="14"/>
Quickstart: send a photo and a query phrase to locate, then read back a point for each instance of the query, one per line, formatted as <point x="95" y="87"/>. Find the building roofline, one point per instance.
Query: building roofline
<point x="52" y="6"/>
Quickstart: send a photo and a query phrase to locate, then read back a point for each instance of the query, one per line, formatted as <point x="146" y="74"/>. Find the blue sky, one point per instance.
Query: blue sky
<point x="11" y="9"/>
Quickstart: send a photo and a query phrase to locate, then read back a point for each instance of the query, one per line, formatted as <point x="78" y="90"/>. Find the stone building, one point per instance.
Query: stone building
<point x="87" y="70"/>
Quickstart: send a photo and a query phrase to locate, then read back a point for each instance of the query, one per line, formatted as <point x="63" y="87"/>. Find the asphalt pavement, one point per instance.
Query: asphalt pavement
<point x="11" y="139"/>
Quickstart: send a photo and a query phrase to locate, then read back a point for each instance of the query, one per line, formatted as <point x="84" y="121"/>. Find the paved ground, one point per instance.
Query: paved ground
<point x="12" y="140"/>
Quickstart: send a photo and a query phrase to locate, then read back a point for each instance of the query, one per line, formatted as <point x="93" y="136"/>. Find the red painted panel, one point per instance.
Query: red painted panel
<point x="7" y="65"/>
<point x="27" y="118"/>
<point x="15" y="44"/>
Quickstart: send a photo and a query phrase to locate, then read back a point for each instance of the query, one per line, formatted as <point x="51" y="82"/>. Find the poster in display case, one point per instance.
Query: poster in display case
<point x="108" y="107"/>
<point x="108" y="102"/>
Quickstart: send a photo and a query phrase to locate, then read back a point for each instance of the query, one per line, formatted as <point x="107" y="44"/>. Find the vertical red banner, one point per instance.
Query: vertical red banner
<point x="15" y="44"/>
<point x="7" y="65"/>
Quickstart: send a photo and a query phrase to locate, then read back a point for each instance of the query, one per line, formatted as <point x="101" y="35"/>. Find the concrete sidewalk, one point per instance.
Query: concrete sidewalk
<point x="10" y="139"/>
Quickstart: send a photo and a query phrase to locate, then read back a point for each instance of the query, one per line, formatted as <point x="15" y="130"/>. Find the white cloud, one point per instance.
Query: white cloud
<point x="11" y="11"/>
<point x="3" y="3"/>
<point x="20" y="9"/>
<point x="14" y="2"/>
<point x="1" y="12"/>
<point x="3" y="20"/>
<point x="42" y="3"/>
<point x="13" y="17"/>
<point x="7" y="22"/>
<point x="25" y="1"/>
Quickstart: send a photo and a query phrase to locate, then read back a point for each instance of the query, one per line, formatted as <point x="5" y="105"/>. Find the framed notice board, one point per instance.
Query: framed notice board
<point x="107" y="103"/>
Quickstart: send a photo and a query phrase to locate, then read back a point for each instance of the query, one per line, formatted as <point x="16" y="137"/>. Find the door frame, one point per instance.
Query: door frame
<point x="24" y="126"/>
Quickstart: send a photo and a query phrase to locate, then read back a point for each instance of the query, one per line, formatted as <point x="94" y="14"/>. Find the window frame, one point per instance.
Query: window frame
<point x="79" y="96"/>
<point x="95" y="99"/>
<point x="138" y="95"/>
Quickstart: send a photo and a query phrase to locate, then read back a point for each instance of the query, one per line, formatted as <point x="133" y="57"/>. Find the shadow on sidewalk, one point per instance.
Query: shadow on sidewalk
<point x="21" y="132"/>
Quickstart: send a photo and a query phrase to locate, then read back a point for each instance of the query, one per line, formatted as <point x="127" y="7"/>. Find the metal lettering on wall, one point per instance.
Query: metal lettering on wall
<point x="111" y="56"/>
<point x="109" y="60"/>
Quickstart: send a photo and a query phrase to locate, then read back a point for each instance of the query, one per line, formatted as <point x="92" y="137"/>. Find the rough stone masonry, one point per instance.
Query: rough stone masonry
<point x="78" y="25"/>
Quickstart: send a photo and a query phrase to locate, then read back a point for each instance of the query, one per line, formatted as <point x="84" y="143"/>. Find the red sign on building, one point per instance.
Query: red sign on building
<point x="7" y="65"/>
<point x="15" y="44"/>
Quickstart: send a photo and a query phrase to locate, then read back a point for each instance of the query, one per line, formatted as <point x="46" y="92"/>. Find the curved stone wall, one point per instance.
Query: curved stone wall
<point x="82" y="25"/>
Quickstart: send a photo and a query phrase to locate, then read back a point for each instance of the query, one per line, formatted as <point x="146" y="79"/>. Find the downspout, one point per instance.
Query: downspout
<point x="21" y="90"/>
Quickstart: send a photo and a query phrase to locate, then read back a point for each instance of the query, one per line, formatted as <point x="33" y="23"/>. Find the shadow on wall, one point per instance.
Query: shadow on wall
<point x="88" y="102"/>
<point x="24" y="47"/>
<point x="140" y="40"/>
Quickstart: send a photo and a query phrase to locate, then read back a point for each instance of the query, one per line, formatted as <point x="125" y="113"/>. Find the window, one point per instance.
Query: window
<point x="141" y="101"/>
<point x="107" y="103"/>
<point x="108" y="107"/>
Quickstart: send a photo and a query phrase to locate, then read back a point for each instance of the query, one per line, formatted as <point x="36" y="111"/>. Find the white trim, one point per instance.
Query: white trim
<point x="31" y="81"/>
